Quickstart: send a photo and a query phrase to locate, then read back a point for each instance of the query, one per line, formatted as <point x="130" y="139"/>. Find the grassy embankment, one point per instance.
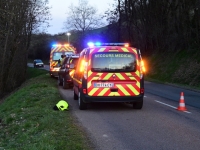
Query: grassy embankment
<point x="181" y="68"/>
<point x="28" y="121"/>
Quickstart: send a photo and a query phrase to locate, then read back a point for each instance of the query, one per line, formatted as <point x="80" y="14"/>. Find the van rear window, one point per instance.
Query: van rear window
<point x="112" y="61"/>
<point x="57" y="55"/>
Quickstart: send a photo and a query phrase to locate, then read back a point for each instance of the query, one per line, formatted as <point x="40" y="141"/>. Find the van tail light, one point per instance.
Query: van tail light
<point x="84" y="91"/>
<point x="67" y="66"/>
<point x="71" y="73"/>
<point x="142" y="69"/>
<point x="142" y="91"/>
<point x="83" y="68"/>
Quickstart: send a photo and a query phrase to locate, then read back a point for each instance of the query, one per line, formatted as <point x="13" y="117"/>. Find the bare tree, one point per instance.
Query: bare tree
<point x="82" y="17"/>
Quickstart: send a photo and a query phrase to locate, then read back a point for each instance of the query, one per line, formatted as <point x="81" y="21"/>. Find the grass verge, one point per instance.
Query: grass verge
<point x="178" y="68"/>
<point x="28" y="121"/>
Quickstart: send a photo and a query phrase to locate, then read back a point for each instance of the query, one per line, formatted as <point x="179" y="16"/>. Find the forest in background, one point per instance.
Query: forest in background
<point x="18" y="20"/>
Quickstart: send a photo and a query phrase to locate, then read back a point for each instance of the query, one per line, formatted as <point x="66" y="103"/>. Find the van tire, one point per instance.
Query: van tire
<point x="60" y="81"/>
<point x="81" y="104"/>
<point x="138" y="105"/>
<point x="75" y="96"/>
<point x="65" y="84"/>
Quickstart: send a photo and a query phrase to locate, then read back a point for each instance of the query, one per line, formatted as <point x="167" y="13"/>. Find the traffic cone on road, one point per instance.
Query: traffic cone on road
<point x="181" y="106"/>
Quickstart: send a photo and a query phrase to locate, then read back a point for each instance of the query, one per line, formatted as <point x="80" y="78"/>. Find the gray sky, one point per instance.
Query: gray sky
<point x="60" y="7"/>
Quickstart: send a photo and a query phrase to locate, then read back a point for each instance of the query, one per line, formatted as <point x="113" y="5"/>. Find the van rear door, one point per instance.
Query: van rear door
<point x="113" y="71"/>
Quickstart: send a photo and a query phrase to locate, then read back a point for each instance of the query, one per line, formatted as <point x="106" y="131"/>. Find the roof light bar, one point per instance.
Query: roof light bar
<point x="126" y="44"/>
<point x="98" y="43"/>
<point x="114" y="44"/>
<point x="91" y="44"/>
<point x="57" y="45"/>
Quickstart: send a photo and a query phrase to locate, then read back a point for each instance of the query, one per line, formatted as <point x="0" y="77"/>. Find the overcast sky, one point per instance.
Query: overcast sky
<point x="60" y="7"/>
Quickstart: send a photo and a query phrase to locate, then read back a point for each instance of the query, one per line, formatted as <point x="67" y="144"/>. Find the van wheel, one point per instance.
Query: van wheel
<point x="65" y="84"/>
<point x="138" y="105"/>
<point x="75" y="96"/>
<point x="82" y="105"/>
<point x="60" y="81"/>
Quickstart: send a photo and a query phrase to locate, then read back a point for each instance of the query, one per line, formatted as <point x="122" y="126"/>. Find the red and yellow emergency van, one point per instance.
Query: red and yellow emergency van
<point x="55" y="56"/>
<point x="109" y="72"/>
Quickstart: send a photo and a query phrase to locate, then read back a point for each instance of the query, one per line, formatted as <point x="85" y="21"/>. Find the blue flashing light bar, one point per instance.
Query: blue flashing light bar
<point x="54" y="45"/>
<point x="91" y="44"/>
<point x="98" y="43"/>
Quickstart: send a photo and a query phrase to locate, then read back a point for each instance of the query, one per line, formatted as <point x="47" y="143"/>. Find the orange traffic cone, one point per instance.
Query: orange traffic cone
<point x="181" y="106"/>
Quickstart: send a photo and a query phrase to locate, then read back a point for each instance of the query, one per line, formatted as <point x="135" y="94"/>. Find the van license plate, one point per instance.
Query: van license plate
<point x="98" y="85"/>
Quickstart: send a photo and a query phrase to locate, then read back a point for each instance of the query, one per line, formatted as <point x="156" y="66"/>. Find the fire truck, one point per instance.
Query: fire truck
<point x="55" y="56"/>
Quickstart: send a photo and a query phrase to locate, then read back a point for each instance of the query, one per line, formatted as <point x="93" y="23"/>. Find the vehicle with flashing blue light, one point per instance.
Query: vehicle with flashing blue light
<point x="57" y="51"/>
<point x="109" y="72"/>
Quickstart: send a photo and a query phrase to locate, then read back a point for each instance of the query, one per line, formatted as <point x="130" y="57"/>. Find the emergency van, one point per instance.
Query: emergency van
<point x="109" y="72"/>
<point x="55" y="56"/>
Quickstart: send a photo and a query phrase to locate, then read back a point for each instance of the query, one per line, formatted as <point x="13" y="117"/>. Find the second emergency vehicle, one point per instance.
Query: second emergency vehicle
<point x="66" y="71"/>
<point x="55" y="56"/>
<point x="109" y="72"/>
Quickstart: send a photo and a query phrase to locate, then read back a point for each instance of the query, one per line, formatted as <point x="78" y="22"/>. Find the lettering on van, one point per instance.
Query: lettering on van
<point x="113" y="55"/>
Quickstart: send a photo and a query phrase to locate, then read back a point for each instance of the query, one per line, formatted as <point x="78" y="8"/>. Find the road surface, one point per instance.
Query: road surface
<point x="116" y="126"/>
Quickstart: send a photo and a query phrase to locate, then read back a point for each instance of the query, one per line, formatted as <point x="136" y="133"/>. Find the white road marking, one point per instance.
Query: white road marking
<point x="170" y="106"/>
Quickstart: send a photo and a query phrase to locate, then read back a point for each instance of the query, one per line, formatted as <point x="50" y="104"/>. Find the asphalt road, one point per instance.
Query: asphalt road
<point x="172" y="92"/>
<point x="157" y="126"/>
<point x="116" y="126"/>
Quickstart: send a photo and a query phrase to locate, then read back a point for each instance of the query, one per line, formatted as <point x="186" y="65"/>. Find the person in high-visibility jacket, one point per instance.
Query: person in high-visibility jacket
<point x="62" y="59"/>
